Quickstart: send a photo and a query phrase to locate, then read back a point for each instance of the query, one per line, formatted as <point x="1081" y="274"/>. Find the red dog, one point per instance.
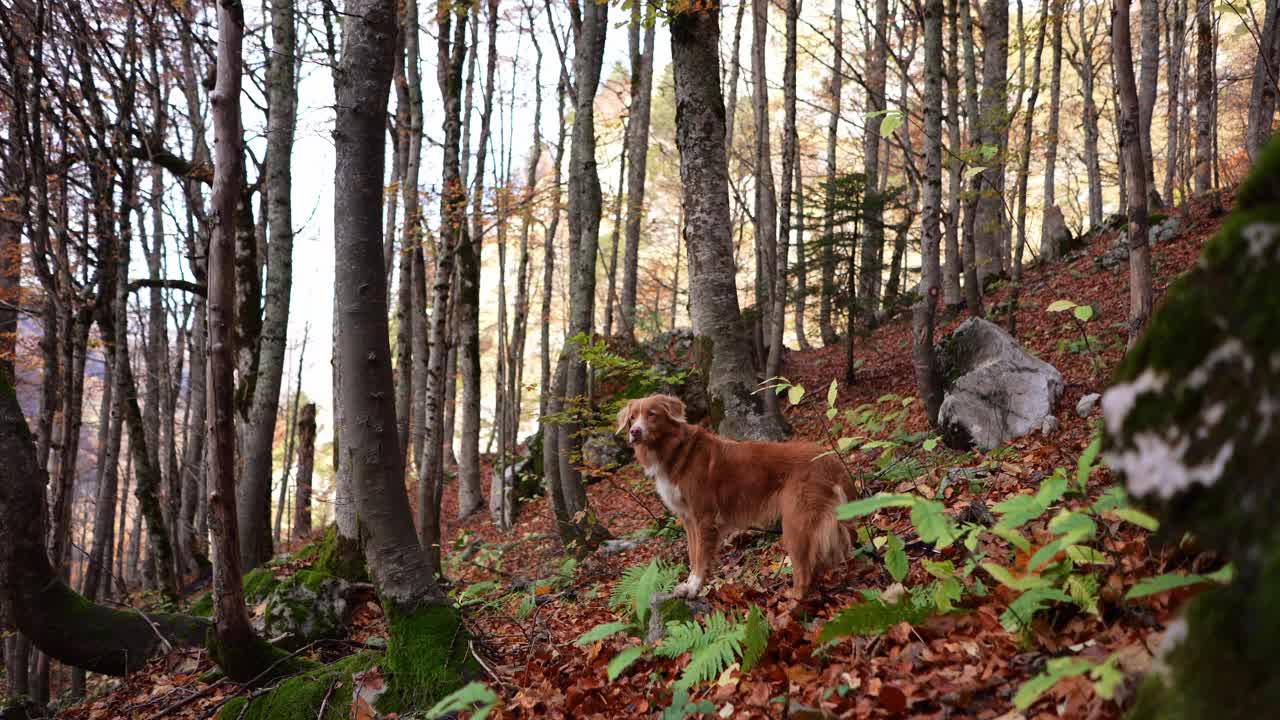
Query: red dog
<point x="716" y="486"/>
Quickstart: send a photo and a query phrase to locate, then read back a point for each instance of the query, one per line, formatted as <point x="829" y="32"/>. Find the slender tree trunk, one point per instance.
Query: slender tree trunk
<point x="411" y="245"/>
<point x="972" y="287"/>
<point x="470" y="494"/>
<point x="871" y="271"/>
<point x="611" y="286"/>
<point x="779" y="313"/>
<point x="695" y="38"/>
<point x="638" y="151"/>
<point x="1204" y="96"/>
<point x="1148" y="79"/>
<point x="1266" y="79"/>
<point x="306" y="463"/>
<point x="1177" y="35"/>
<point x="766" y="202"/>
<point x="826" y="301"/>
<point x="735" y="68"/>
<point x="1140" y="290"/>
<point x="993" y="130"/>
<point x="451" y="54"/>
<point x="925" y="362"/>
<point x="952" y="269"/>
<point x="802" y="259"/>
<point x="1056" y="11"/>
<point x="98" y="571"/>
<point x="231" y="620"/>
<point x="1088" y="75"/>
<point x="1024" y="167"/>
<point x="548" y="268"/>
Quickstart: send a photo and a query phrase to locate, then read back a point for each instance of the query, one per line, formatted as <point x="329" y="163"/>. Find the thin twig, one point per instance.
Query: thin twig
<point x="332" y="684"/>
<point x="168" y="645"/>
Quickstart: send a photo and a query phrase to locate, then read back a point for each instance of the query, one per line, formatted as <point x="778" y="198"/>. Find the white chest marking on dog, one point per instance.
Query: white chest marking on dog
<point x="667" y="490"/>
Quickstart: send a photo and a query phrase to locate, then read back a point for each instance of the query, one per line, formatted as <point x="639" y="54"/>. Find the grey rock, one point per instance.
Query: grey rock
<point x="1087" y="404"/>
<point x="1055" y="237"/>
<point x="299" y="613"/>
<point x="995" y="390"/>
<point x="665" y="608"/>
<point x="605" y="450"/>
<point x="1165" y="230"/>
<point x="1049" y="425"/>
<point x="1116" y="255"/>
<point x="618" y="545"/>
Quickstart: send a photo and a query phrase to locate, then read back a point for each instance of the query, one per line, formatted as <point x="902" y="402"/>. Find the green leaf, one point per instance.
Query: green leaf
<point x="475" y="696"/>
<point x="1013" y="537"/>
<point x="831" y="394"/>
<point x="1139" y="518"/>
<point x="1056" y="669"/>
<point x="933" y="524"/>
<point x="1085" y="466"/>
<point x="946" y="593"/>
<point x="930" y="444"/>
<point x="877" y="444"/>
<point x="892" y="121"/>
<point x="845" y="443"/>
<point x="600" y="632"/>
<point x="1083" y="312"/>
<point x="989" y="151"/>
<point x="941" y="569"/>
<point x="1060" y="306"/>
<point x="1006" y="578"/>
<point x="973" y="171"/>
<point x="624" y="660"/>
<point x="756" y="639"/>
<point x="866" y="506"/>
<point x="1085" y="555"/>
<point x="1107" y="677"/>
<point x="831" y="413"/>
<point x="871" y="618"/>
<point x="1163" y="583"/>
<point x="795" y="393"/>
<point x="1021" y="611"/>
<point x="638" y="583"/>
<point x="895" y="558"/>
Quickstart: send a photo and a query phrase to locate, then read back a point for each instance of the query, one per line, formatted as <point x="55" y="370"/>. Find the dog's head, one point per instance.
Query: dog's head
<point x="648" y="420"/>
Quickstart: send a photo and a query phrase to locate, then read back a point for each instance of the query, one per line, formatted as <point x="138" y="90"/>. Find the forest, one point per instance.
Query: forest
<point x="1001" y="274"/>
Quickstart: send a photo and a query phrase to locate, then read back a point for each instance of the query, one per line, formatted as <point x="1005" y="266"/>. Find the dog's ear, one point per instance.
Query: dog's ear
<point x="624" y="415"/>
<point x="673" y="407"/>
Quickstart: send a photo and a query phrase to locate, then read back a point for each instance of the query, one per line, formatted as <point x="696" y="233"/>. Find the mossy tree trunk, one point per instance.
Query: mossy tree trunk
<point x="1193" y="426"/>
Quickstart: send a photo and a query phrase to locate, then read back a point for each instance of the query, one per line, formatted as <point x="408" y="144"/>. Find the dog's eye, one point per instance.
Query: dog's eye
<point x="650" y="412"/>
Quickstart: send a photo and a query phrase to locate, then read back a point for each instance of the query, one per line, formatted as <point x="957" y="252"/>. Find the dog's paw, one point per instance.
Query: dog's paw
<point x="688" y="588"/>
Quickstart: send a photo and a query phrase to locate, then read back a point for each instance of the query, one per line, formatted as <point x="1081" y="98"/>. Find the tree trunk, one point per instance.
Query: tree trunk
<point x="638" y="150"/>
<point x="470" y="493"/>
<point x="779" y="312"/>
<point x="451" y="54"/>
<point x="1177" y="41"/>
<point x="1088" y="75"/>
<point x="611" y="286"/>
<point x="925" y="362"/>
<point x="826" y="301"/>
<point x="1148" y="79"/>
<point x="1140" y="291"/>
<point x="1024" y="167"/>
<point x="1266" y="77"/>
<point x="1204" y="96"/>
<point x="951" y="271"/>
<point x="993" y="130"/>
<point x="802" y="259"/>
<point x="411" y="282"/>
<point x="870" y="274"/>
<point x="972" y="288"/>
<point x="1057" y="10"/>
<point x="306" y="464"/>
<point x="766" y="202"/>
<point x="739" y="413"/>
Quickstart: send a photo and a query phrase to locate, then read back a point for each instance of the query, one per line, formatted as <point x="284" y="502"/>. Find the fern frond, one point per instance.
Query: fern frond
<point x="755" y="638"/>
<point x="708" y="662"/>
<point x="638" y="583"/>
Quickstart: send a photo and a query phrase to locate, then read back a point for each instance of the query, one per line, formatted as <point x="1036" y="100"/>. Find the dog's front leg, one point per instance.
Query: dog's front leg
<point x="704" y="540"/>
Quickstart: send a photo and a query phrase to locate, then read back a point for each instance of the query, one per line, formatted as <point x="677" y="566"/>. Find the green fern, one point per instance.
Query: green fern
<point x="709" y="661"/>
<point x="872" y="618"/>
<point x="756" y="637"/>
<point x="714" y="644"/>
<point x="638" y="583"/>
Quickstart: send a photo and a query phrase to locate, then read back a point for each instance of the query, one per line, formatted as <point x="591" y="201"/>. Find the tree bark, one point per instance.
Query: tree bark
<point x="1140" y="290"/>
<point x="972" y="288"/>
<point x="738" y="412"/>
<point x="870" y="272"/>
<point x="411" y="282"/>
<point x="470" y="493"/>
<point x="638" y="151"/>
<point x="826" y="325"/>
<point x="766" y="202"/>
<point x="800" y="303"/>
<point x="1148" y="79"/>
<point x="924" y="361"/>
<point x="306" y="464"/>
<point x="952" y="270"/>
<point x="1266" y="77"/>
<point x="1177" y="40"/>
<point x="1204" y="96"/>
<point x="1056" y="11"/>
<point x="1024" y="167"/>
<point x="993" y="131"/>
<point x="1085" y="67"/>
<point x="779" y="312"/>
<point x="397" y="563"/>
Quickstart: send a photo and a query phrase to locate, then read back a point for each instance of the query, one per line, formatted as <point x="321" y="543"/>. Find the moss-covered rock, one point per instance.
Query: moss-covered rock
<point x="308" y="607"/>
<point x="258" y="583"/>
<point x="203" y="606"/>
<point x="301" y="697"/>
<point x="1193" y="424"/>
<point x="20" y="707"/>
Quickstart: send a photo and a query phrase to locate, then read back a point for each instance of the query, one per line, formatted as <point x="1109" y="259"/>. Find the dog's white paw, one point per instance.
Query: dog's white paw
<point x="688" y="588"/>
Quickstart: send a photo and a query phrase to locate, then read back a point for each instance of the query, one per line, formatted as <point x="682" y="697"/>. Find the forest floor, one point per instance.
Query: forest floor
<point x="527" y="606"/>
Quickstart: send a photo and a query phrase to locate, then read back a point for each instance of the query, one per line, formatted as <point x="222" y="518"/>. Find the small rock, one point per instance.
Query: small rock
<point x="605" y="450"/>
<point x="306" y="609"/>
<point x="666" y="607"/>
<point x="977" y="513"/>
<point x="377" y="642"/>
<point x="618" y="545"/>
<point x="1055" y="236"/>
<point x="1165" y="230"/>
<point x="1049" y="425"/>
<point x="1087" y="404"/>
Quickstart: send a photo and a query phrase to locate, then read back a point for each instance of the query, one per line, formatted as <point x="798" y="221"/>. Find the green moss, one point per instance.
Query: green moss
<point x="203" y="606"/>
<point x="428" y="656"/>
<point x="255" y="662"/>
<point x="258" y="584"/>
<point x="300" y="698"/>
<point x="340" y="558"/>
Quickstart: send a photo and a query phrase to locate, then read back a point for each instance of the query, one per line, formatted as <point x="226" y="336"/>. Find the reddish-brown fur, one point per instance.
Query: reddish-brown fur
<point x="716" y="486"/>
